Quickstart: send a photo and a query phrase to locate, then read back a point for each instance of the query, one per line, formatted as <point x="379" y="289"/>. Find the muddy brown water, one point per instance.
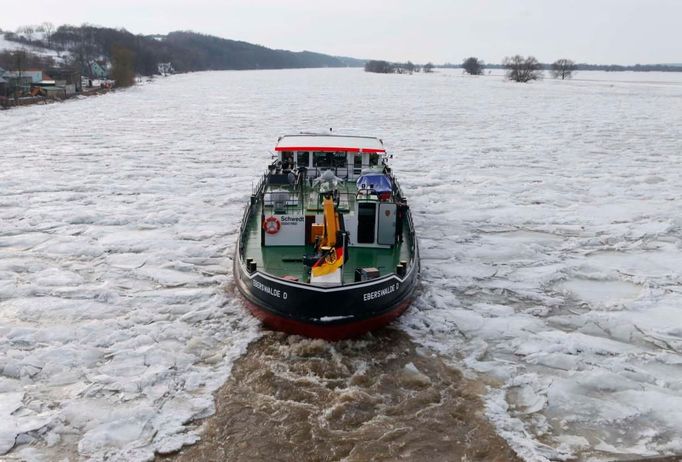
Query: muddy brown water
<point x="377" y="398"/>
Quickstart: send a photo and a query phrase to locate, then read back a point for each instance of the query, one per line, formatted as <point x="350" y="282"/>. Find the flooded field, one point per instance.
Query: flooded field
<point x="549" y="224"/>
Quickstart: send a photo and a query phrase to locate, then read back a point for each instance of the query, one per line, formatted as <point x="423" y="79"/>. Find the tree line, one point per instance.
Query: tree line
<point x="524" y="69"/>
<point x="592" y="67"/>
<point x="141" y="54"/>
<point x="519" y="69"/>
<point x="385" y="67"/>
<point x="22" y="59"/>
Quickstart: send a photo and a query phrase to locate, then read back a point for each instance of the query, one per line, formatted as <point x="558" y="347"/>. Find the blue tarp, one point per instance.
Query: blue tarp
<point x="376" y="181"/>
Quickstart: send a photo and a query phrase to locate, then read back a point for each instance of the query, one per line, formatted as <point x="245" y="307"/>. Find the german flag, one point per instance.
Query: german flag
<point x="330" y="261"/>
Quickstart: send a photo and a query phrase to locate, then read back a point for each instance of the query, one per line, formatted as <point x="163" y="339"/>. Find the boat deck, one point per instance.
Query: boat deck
<point x="283" y="261"/>
<point x="309" y="199"/>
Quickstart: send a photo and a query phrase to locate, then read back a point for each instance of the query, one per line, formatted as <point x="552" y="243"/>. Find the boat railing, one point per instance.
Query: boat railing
<point x="344" y="197"/>
<point x="260" y="186"/>
<point x="281" y="200"/>
<point x="242" y="227"/>
<point x="397" y="190"/>
<point x="284" y="191"/>
<point x="340" y="172"/>
<point x="413" y="237"/>
<point x="256" y="195"/>
<point x="398" y="194"/>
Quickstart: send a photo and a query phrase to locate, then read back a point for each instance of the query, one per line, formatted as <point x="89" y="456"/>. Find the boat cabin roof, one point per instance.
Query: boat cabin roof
<point x="329" y="143"/>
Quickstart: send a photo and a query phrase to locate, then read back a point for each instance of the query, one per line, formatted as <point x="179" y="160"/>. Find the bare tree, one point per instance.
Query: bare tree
<point x="122" y="66"/>
<point x="520" y="69"/>
<point x="48" y="29"/>
<point x="428" y="67"/>
<point x="563" y="69"/>
<point x="473" y="66"/>
<point x="83" y="50"/>
<point x="27" y="32"/>
<point x="19" y="66"/>
<point x="380" y="67"/>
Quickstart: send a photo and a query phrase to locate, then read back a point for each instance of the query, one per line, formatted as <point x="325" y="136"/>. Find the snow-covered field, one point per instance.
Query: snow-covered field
<point x="549" y="222"/>
<point x="10" y="45"/>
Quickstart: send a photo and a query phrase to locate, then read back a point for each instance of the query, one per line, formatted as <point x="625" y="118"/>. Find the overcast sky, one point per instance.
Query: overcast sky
<point x="596" y="31"/>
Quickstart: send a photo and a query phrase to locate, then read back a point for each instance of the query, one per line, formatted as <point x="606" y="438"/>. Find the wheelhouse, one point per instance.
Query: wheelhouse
<point x="346" y="156"/>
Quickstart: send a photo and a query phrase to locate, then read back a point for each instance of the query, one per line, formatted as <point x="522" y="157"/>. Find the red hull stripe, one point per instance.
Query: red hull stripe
<point x="327" y="149"/>
<point x="330" y="332"/>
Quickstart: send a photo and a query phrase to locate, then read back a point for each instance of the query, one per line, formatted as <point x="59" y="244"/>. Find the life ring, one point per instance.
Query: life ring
<point x="271" y="225"/>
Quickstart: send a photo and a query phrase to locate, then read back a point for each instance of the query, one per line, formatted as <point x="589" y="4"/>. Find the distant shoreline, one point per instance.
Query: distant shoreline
<point x="592" y="67"/>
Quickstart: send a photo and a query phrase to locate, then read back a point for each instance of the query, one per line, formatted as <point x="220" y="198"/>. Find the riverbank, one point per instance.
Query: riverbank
<point x="8" y="103"/>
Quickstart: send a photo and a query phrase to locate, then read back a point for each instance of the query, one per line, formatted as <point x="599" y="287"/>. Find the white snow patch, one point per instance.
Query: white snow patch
<point x="10" y="45"/>
<point x="601" y="292"/>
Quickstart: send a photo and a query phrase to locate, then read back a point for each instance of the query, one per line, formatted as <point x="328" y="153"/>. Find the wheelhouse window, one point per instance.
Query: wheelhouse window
<point x="340" y="159"/>
<point x="357" y="163"/>
<point x="373" y="159"/>
<point x="330" y="159"/>
<point x="287" y="159"/>
<point x="302" y="158"/>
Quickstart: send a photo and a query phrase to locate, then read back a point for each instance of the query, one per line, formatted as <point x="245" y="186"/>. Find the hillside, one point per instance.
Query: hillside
<point x="186" y="50"/>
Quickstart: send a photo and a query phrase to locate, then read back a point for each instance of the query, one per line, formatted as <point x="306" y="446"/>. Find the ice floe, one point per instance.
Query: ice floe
<point x="549" y="224"/>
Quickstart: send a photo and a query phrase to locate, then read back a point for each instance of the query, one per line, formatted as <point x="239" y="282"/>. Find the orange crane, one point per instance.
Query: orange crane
<point x="329" y="266"/>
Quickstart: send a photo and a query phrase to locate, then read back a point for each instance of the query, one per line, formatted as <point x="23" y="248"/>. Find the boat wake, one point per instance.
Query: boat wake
<point x="374" y="398"/>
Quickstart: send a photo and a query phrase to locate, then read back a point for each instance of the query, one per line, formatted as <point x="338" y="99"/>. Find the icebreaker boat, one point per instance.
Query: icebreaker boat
<point x="327" y="246"/>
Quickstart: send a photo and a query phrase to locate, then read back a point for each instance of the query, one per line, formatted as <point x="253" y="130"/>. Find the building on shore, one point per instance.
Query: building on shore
<point x="92" y="73"/>
<point x="33" y="75"/>
<point x="3" y="87"/>
<point x="18" y="83"/>
<point x="3" y="83"/>
<point x="69" y="78"/>
<point x="25" y="86"/>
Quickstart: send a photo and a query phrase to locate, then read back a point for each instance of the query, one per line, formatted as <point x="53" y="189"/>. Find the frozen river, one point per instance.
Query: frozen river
<point x="550" y="224"/>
